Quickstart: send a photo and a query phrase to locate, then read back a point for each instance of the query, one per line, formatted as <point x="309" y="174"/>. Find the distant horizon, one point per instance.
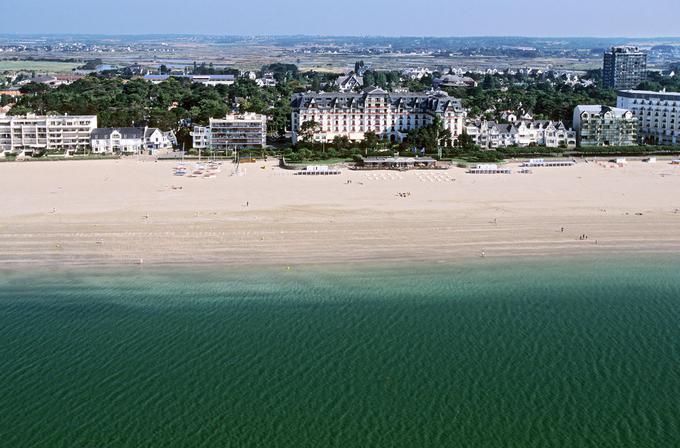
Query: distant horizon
<point x="339" y="36"/>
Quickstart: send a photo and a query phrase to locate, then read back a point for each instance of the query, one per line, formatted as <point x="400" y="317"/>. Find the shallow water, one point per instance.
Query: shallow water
<point x="570" y="353"/>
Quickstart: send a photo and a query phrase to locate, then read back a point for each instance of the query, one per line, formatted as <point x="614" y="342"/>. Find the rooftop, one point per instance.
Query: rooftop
<point x="599" y="109"/>
<point x="648" y="94"/>
<point x="125" y="133"/>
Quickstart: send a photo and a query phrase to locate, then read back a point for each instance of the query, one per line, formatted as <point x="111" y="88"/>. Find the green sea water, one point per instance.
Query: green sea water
<point x="580" y="353"/>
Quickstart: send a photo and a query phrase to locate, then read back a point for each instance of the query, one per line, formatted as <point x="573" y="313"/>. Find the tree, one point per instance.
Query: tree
<point x="369" y="79"/>
<point x="282" y="72"/>
<point x="466" y="142"/>
<point x="371" y="140"/>
<point x="162" y="119"/>
<point x="341" y="142"/>
<point x="316" y="84"/>
<point x="308" y="129"/>
<point x="430" y="137"/>
<point x="34" y="88"/>
<point x="489" y="82"/>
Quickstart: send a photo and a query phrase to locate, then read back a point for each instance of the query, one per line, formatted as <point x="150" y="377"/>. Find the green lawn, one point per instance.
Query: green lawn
<point x="38" y="66"/>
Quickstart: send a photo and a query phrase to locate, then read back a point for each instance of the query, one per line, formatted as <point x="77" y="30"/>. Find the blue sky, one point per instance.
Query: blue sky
<point x="619" y="18"/>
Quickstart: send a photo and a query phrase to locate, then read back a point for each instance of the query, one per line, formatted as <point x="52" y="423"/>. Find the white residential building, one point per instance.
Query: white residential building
<point x="658" y="114"/>
<point x="234" y="132"/>
<point x="213" y="80"/>
<point x="267" y="80"/>
<point x="129" y="140"/>
<point x="389" y="115"/>
<point x="416" y="73"/>
<point x="29" y="133"/>
<point x="492" y="135"/>
<point x="605" y="126"/>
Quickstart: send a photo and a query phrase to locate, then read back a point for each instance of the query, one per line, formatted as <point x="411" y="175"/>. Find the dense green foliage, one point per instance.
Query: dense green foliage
<point x="384" y="79"/>
<point x="209" y="69"/>
<point x="657" y="82"/>
<point x="430" y="137"/>
<point x="169" y="105"/>
<point x="178" y="104"/>
<point x="546" y="98"/>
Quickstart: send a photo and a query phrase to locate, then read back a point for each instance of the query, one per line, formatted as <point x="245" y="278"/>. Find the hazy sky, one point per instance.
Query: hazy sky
<point x="619" y="18"/>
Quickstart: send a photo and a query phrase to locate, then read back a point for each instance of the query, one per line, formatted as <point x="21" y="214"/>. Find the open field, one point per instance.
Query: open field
<point x="254" y="57"/>
<point x="117" y="212"/>
<point x="334" y="53"/>
<point x="37" y="66"/>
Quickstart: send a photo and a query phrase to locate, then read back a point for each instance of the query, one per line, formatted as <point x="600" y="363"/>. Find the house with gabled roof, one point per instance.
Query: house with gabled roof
<point x="129" y="140"/>
<point x="492" y="135"/>
<point x="350" y="82"/>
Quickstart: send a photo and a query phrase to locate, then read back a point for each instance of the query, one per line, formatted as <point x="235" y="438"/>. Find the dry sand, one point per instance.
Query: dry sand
<point x="120" y="211"/>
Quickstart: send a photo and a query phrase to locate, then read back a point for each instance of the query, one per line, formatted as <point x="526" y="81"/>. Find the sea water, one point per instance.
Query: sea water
<point x="582" y="353"/>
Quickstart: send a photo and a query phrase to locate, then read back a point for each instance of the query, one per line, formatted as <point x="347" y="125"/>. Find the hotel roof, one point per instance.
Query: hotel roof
<point x="427" y="101"/>
<point x="599" y="109"/>
<point x="647" y="94"/>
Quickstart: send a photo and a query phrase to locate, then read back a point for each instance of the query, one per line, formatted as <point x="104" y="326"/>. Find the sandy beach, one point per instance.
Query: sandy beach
<point x="121" y="212"/>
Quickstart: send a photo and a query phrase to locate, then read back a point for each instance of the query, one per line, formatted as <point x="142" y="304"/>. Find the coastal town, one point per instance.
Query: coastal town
<point x="203" y="146"/>
<point x="345" y="117"/>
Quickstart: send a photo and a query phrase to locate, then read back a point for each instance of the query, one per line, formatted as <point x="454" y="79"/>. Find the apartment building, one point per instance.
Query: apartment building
<point x="492" y="135"/>
<point x="605" y="126"/>
<point x="389" y="115"/>
<point x="129" y="140"/>
<point x="624" y="67"/>
<point x="658" y="115"/>
<point x="29" y="133"/>
<point x="234" y="132"/>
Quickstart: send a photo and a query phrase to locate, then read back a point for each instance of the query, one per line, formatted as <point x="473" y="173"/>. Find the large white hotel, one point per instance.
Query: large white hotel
<point x="389" y="115"/>
<point x="28" y="133"/>
<point x="658" y="115"/>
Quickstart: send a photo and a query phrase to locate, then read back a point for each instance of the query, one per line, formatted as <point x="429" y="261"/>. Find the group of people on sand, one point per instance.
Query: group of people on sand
<point x="404" y="195"/>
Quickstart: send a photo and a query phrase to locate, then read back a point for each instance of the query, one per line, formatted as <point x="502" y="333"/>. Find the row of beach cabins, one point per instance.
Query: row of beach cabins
<point x="426" y="163"/>
<point x="410" y="163"/>
<point x="525" y="168"/>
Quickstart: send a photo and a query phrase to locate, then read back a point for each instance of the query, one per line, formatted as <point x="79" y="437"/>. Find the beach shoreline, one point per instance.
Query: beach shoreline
<point x="127" y="212"/>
